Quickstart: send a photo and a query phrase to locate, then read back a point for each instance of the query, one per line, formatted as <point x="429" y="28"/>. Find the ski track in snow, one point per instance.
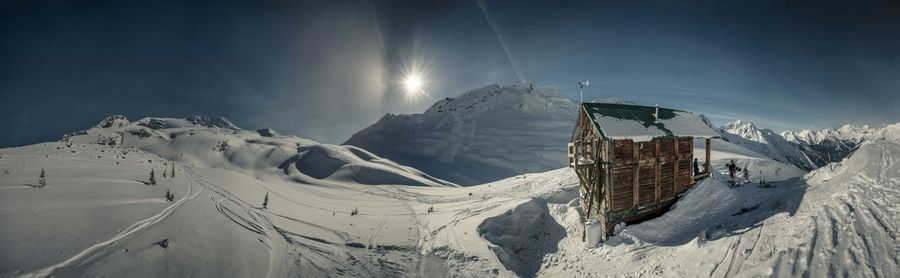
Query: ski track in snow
<point x="284" y="245"/>
<point x="101" y="249"/>
<point x="255" y="222"/>
<point x="854" y="231"/>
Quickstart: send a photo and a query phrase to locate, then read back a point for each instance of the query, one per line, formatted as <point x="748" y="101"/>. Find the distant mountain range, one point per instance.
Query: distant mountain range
<point x="806" y="149"/>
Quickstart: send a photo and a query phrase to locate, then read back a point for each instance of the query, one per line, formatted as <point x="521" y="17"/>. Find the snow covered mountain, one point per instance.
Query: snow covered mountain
<point x="215" y="142"/>
<point x="807" y="149"/>
<point x="771" y="144"/>
<point x="839" y="143"/>
<point x="484" y="135"/>
<point x="97" y="217"/>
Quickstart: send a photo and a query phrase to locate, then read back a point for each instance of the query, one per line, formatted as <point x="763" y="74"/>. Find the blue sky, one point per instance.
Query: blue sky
<point x="324" y="70"/>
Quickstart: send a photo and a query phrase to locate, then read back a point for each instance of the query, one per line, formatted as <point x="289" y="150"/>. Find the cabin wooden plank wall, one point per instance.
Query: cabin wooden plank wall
<point x="685" y="165"/>
<point x="646" y="173"/>
<point x="586" y="144"/>
<point x="595" y="179"/>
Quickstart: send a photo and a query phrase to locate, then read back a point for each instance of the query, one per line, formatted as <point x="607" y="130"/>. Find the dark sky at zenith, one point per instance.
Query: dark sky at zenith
<point x="325" y="69"/>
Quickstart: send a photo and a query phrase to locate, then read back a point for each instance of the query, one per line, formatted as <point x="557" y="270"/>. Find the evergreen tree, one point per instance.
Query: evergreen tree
<point x="43" y="181"/>
<point x="173" y="169"/>
<point x="266" y="201"/>
<point x="152" y="177"/>
<point x="164" y="173"/>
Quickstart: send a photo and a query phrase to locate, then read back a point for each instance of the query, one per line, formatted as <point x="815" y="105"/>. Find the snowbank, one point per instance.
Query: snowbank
<point x="522" y="236"/>
<point x="353" y="165"/>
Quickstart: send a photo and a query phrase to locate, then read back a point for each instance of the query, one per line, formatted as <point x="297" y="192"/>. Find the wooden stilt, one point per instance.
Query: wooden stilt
<point x="707" y="165"/>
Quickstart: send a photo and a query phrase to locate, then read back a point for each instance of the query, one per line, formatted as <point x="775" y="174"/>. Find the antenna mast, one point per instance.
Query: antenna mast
<point x="581" y="86"/>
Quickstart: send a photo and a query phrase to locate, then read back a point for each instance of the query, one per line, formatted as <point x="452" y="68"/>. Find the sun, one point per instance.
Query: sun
<point x="413" y="84"/>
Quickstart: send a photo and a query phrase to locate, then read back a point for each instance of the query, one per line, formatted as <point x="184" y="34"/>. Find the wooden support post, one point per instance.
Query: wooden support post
<point x="707" y="165"/>
<point x="607" y="230"/>
<point x="656" y="164"/>
<point x="637" y="168"/>
<point x="691" y="162"/>
<point x="675" y="170"/>
<point x="608" y="171"/>
<point x="602" y="178"/>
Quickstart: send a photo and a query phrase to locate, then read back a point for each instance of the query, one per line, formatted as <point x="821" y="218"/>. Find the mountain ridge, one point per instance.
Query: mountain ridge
<point x="807" y="149"/>
<point x="215" y="142"/>
<point x="483" y="135"/>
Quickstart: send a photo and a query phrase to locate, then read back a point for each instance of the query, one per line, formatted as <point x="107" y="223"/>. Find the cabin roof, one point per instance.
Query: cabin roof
<point x="637" y="123"/>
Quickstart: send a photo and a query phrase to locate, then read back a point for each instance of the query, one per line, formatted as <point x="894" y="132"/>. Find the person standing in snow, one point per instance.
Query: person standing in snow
<point x="731" y="169"/>
<point x="746" y="172"/>
<point x="696" y="167"/>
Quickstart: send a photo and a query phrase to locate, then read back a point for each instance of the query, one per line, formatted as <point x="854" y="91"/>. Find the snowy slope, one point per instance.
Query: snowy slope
<point x="214" y="142"/>
<point x="771" y="144"/>
<point x="802" y="227"/>
<point x="484" y="135"/>
<point x="853" y="213"/>
<point x="530" y="224"/>
<point x="96" y="218"/>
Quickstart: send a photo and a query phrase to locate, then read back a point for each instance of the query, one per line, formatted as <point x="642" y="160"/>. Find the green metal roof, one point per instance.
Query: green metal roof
<point x="638" y="123"/>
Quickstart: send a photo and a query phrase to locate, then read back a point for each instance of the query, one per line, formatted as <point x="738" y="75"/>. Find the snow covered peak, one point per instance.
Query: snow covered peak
<point x="853" y="129"/>
<point x="212" y="121"/>
<point x="747" y="130"/>
<point x="483" y="135"/>
<point x="192" y="121"/>
<point x="522" y="97"/>
<point x="113" y="121"/>
<point x="771" y="144"/>
<point x="268" y="132"/>
<point x="739" y="124"/>
<point x="847" y="134"/>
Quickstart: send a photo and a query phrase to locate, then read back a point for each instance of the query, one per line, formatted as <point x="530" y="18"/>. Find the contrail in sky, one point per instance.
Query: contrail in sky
<point x="500" y="39"/>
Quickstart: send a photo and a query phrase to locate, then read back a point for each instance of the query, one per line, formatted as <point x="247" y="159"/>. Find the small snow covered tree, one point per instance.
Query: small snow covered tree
<point x="164" y="173"/>
<point x="42" y="182"/>
<point x="222" y="146"/>
<point x="266" y="201"/>
<point x="152" y="180"/>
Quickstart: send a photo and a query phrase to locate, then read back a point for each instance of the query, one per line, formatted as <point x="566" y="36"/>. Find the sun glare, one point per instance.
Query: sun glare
<point x="413" y="84"/>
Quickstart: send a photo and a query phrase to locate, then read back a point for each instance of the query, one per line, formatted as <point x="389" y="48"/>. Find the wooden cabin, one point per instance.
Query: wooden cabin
<point x="633" y="162"/>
